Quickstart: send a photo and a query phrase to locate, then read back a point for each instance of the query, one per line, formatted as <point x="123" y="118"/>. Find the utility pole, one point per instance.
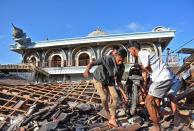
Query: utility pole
<point x="168" y="52"/>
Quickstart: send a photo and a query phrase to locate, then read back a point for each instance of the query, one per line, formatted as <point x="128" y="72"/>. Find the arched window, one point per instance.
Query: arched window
<point x="33" y="61"/>
<point x="56" y="61"/>
<point x="84" y="59"/>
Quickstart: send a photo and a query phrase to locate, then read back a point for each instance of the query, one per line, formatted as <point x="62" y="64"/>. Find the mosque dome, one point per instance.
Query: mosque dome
<point x="97" y="32"/>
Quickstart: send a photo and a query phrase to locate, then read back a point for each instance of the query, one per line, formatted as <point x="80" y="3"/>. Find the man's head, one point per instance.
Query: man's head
<point x="134" y="48"/>
<point x="120" y="56"/>
<point x="115" y="49"/>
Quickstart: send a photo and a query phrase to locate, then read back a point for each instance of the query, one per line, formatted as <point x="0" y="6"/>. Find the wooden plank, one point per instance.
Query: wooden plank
<point x="11" y="109"/>
<point x="29" y="98"/>
<point x="19" y="104"/>
<point x="82" y="92"/>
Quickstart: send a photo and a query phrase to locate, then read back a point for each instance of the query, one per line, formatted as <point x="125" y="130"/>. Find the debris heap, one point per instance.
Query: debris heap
<point x="18" y="100"/>
<point x="7" y="79"/>
<point x="73" y="106"/>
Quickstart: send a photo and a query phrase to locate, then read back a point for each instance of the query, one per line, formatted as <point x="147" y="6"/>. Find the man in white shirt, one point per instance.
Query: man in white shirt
<point x="162" y="81"/>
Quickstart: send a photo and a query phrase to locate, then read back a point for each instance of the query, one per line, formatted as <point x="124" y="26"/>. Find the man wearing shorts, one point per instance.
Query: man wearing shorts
<point x="110" y="68"/>
<point x="162" y="81"/>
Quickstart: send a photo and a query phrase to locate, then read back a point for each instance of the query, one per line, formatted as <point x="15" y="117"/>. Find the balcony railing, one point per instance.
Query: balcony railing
<point x="54" y="64"/>
<point x="171" y="60"/>
<point x="84" y="62"/>
<point x="81" y="62"/>
<point x="50" y="64"/>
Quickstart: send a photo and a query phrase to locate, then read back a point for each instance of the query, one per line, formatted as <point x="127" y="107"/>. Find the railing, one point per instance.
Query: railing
<point x="171" y="60"/>
<point x="56" y="64"/>
<point x="81" y="62"/>
<point x="53" y="64"/>
<point x="24" y="66"/>
<point x="48" y="64"/>
<point x="84" y="62"/>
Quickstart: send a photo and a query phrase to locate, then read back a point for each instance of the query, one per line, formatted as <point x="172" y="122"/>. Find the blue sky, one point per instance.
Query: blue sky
<point x="59" y="19"/>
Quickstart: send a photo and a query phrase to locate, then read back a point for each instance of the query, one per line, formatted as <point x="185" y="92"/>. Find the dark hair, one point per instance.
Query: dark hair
<point x="116" y="47"/>
<point x="134" y="44"/>
<point x="122" y="52"/>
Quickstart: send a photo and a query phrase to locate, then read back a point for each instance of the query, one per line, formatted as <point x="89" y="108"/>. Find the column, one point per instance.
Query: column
<point x="43" y="58"/>
<point x="98" y="50"/>
<point x="69" y="57"/>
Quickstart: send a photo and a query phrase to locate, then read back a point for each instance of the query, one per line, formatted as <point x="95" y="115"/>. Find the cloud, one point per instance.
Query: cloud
<point x="131" y="27"/>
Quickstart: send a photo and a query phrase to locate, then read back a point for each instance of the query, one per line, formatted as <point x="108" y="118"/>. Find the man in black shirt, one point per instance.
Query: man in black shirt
<point x="110" y="68"/>
<point x="115" y="50"/>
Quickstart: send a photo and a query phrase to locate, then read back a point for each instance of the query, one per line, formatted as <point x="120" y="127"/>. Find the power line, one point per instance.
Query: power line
<point x="184" y="44"/>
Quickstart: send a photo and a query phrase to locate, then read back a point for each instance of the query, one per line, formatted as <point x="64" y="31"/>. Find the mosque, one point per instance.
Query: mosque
<point x="66" y="59"/>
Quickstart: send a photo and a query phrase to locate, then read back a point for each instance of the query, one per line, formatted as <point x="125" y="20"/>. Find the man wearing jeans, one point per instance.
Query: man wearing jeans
<point x="110" y="68"/>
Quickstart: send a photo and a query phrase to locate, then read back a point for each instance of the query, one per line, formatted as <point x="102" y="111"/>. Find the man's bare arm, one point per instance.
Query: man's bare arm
<point x="148" y="68"/>
<point x="89" y="66"/>
<point x="143" y="88"/>
<point x="144" y="75"/>
<point x="122" y="91"/>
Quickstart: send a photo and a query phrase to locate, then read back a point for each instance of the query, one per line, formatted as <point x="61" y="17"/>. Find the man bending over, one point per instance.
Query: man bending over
<point x="110" y="68"/>
<point x="162" y="81"/>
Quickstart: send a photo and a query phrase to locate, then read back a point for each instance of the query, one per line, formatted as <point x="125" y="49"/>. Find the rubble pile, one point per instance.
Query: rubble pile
<point x="16" y="100"/>
<point x="74" y="106"/>
<point x="64" y="115"/>
<point x="12" y="80"/>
